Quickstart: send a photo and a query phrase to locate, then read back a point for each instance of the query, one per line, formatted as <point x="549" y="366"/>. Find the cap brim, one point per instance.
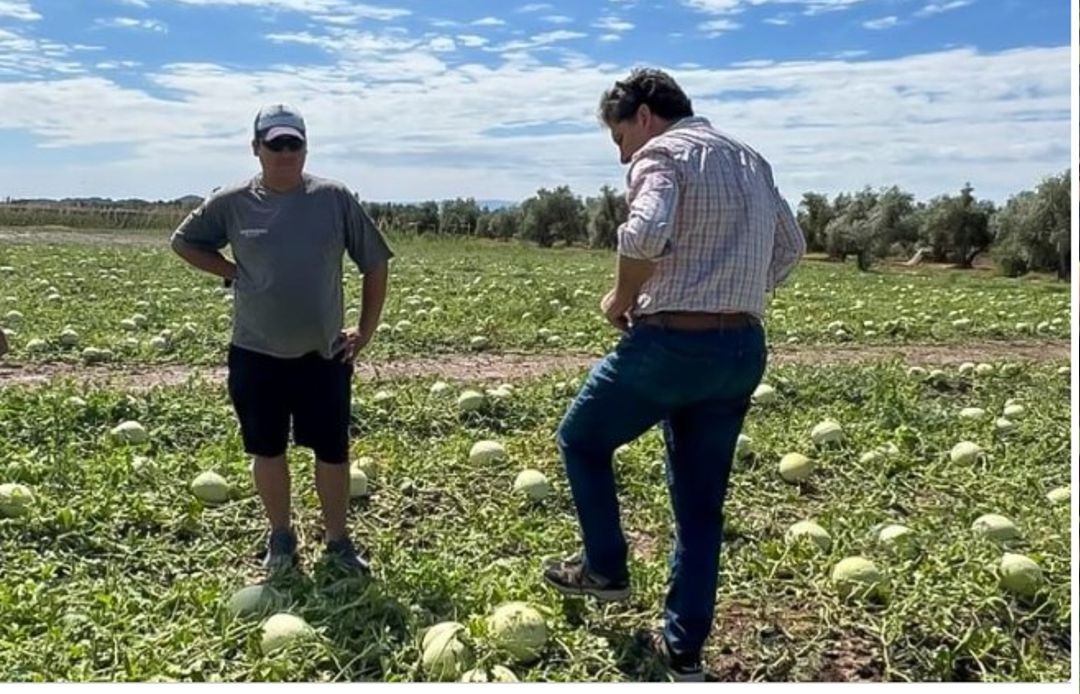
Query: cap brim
<point x="282" y="131"/>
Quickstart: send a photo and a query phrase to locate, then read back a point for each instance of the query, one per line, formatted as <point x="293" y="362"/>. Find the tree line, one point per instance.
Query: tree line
<point x="1029" y="233"/>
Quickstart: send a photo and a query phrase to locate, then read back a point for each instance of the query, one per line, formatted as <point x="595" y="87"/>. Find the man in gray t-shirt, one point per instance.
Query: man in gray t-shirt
<point x="289" y="357"/>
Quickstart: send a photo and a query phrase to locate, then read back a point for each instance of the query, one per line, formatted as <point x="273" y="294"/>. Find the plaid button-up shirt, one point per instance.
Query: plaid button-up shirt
<point x="704" y="208"/>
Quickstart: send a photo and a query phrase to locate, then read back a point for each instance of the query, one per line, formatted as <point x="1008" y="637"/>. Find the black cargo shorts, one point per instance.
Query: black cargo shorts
<point x="312" y="392"/>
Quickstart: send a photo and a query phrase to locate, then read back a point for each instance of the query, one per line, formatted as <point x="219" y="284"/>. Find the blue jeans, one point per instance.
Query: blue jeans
<point x="698" y="386"/>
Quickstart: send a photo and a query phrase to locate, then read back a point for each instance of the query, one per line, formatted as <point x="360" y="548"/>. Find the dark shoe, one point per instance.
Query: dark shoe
<point x="681" y="668"/>
<point x="343" y="552"/>
<point x="281" y="551"/>
<point x="570" y="577"/>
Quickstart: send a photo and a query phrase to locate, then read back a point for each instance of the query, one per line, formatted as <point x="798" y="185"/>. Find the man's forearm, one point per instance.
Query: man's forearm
<point x="207" y="261"/>
<point x="630" y="275"/>
<point x="374" y="294"/>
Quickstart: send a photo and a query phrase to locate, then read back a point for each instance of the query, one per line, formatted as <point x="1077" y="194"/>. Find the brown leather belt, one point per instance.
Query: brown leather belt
<point x="688" y="320"/>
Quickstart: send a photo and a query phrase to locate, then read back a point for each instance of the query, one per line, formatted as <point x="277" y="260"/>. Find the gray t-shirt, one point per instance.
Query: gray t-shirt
<point x="288" y="249"/>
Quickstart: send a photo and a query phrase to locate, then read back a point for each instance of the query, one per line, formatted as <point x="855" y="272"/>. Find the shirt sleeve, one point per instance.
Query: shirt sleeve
<point x="363" y="240"/>
<point x="204" y="227"/>
<point x="789" y="243"/>
<point x="653" y="190"/>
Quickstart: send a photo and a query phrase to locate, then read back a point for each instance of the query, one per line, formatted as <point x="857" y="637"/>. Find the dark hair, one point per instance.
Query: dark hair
<point x="655" y="88"/>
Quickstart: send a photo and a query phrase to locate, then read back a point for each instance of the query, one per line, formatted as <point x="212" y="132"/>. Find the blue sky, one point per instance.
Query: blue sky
<point x="419" y="99"/>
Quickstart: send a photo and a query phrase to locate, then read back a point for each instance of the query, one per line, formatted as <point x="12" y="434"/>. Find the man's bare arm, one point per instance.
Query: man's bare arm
<point x="212" y="262"/>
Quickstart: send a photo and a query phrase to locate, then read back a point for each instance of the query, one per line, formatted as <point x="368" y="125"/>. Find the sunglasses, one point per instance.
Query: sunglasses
<point x="280" y="144"/>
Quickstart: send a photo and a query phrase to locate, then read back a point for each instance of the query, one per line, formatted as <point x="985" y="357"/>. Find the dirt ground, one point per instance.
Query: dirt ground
<point x="519" y="367"/>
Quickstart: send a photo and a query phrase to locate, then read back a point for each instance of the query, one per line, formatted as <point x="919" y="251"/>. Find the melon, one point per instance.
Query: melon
<point x="519" y="630"/>
<point x="367" y="465"/>
<point x="446" y="653"/>
<point x="795" y="467"/>
<point x="1013" y="411"/>
<point x="1061" y="495"/>
<point x="533" y="484"/>
<point x="965" y="453"/>
<point x="470" y="401"/>
<point x="282" y="630"/>
<point x="996" y="528"/>
<point x="764" y="394"/>
<point x="498" y="673"/>
<point x="744" y="447"/>
<point x="811" y="532"/>
<point x="130" y="432"/>
<point x="856" y="577"/>
<point x="211" y="488"/>
<point x="358" y="483"/>
<point x="897" y="538"/>
<point x="485" y="452"/>
<point x="1020" y="575"/>
<point x="252" y="600"/>
<point x="827" y="432"/>
<point x="15" y="500"/>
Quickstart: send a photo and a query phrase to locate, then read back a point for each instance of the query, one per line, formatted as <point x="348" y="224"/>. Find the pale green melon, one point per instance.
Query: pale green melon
<point x="498" y="673"/>
<point x="283" y="630"/>
<point x="15" y="500"/>
<point x="996" y="528"/>
<point x="446" y="652"/>
<point x="533" y="484"/>
<point x="211" y="488"/>
<point x="253" y="600"/>
<point x="519" y="630"/>
<point x="485" y="452"/>
<point x="827" y="432"/>
<point x="965" y="453"/>
<point x="1020" y="575"/>
<point x="811" y="532"/>
<point x="795" y="467"/>
<point x="857" y="576"/>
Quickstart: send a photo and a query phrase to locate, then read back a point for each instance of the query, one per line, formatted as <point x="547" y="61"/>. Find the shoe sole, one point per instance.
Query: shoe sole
<point x="610" y="595"/>
<point x="281" y="564"/>
<point x="690" y="677"/>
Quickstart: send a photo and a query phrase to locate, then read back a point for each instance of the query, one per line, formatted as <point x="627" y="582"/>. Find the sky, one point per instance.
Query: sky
<point x="417" y="100"/>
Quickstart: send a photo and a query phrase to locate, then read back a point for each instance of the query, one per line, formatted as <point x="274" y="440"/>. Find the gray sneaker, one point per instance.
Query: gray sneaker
<point x="343" y="553"/>
<point x="281" y="551"/>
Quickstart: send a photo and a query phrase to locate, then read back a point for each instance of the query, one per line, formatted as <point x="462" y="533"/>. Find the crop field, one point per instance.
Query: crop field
<point x="111" y="569"/>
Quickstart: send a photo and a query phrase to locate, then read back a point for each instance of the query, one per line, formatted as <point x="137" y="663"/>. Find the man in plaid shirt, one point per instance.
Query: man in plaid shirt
<point x="708" y="236"/>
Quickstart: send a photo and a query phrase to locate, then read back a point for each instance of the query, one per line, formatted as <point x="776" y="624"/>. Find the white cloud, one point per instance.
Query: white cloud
<point x="855" y="53"/>
<point x="131" y="23"/>
<point x="471" y="40"/>
<point x="925" y="122"/>
<point x="536" y="7"/>
<point x="610" y="38"/>
<point x="442" y="44"/>
<point x="613" y="24"/>
<point x="718" y="27"/>
<point x="142" y="4"/>
<point x="489" y="22"/>
<point x="538" y="40"/>
<point x="18" y="9"/>
<point x="326" y="8"/>
<point x="881" y="23"/>
<point x="811" y="7"/>
<point x="939" y="7"/>
<point x="557" y="19"/>
<point x="22" y="56"/>
<point x="778" y="21"/>
<point x="116" y="64"/>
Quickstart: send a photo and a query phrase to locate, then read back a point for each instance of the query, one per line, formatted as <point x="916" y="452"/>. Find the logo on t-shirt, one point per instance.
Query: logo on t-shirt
<point x="252" y="233"/>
